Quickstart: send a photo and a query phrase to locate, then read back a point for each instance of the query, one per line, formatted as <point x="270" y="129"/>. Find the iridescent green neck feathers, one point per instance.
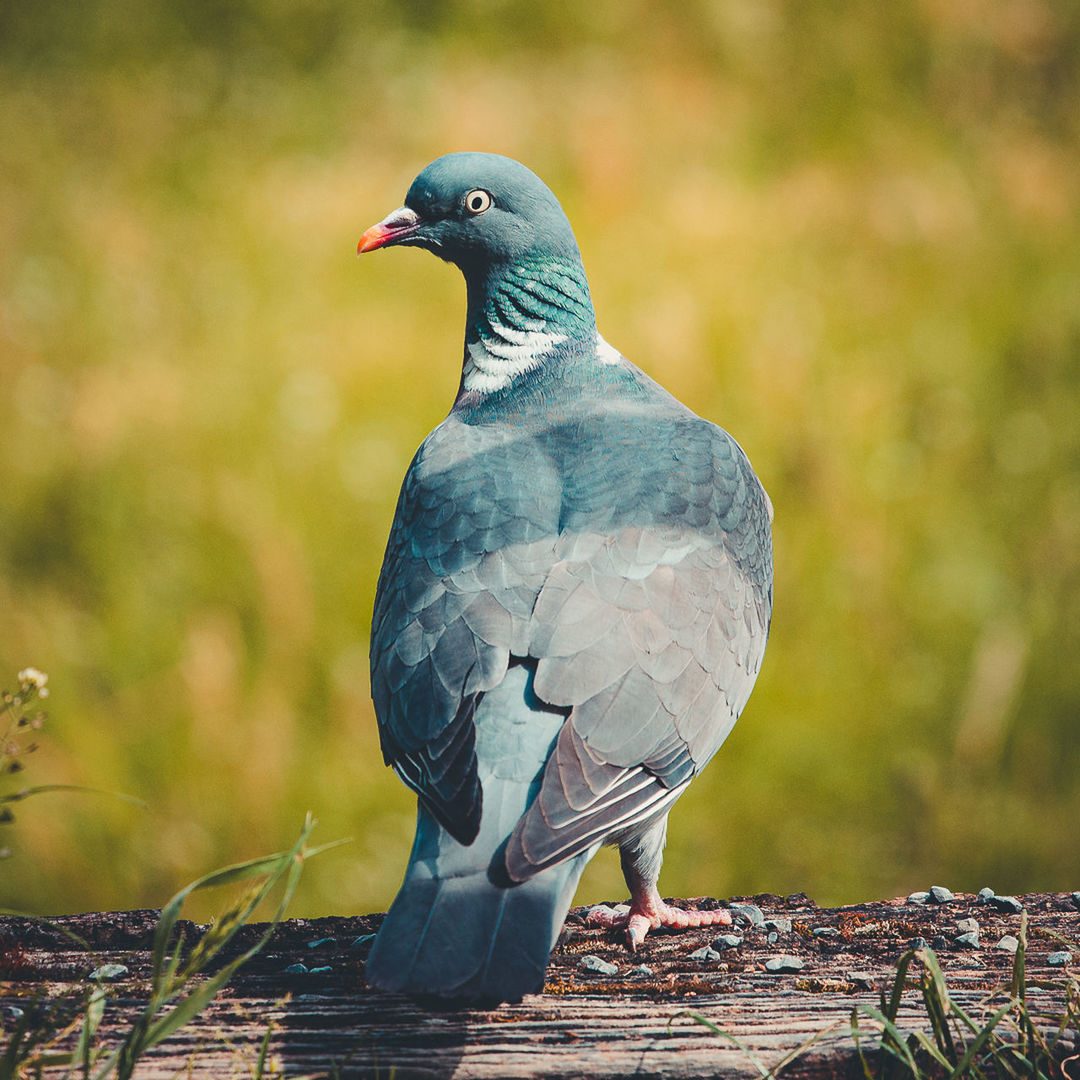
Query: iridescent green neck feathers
<point x="520" y="315"/>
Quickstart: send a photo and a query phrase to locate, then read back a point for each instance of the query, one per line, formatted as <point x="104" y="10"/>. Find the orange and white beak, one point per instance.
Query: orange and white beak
<point x="393" y="228"/>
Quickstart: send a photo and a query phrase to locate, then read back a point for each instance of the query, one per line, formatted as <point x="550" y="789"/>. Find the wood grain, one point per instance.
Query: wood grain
<point x="584" y="1026"/>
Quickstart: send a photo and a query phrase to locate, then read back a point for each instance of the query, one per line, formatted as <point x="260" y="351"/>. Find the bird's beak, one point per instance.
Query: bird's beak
<point x="394" y="228"/>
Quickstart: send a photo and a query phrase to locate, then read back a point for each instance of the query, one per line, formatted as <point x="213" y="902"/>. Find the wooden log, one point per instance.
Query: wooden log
<point x="585" y="1025"/>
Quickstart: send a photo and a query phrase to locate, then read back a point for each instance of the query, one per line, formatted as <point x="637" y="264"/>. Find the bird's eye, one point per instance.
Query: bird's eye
<point x="476" y="202"/>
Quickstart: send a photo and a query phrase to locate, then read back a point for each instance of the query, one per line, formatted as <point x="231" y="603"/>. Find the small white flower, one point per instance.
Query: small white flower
<point x="32" y="677"/>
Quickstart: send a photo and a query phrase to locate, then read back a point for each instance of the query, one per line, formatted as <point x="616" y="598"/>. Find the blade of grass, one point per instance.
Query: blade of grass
<point x="766" y="1074"/>
<point x="31" y="1043"/>
<point x="14" y="1052"/>
<point x="949" y="1006"/>
<point x="264" y="1050"/>
<point x="936" y="1000"/>
<point x="268" y="866"/>
<point x="893" y="1007"/>
<point x="83" y="1054"/>
<point x="1025" y="1029"/>
<point x="888" y="1014"/>
<point x="170" y="978"/>
<point x="984" y="1036"/>
<point x="895" y="1045"/>
<point x="44" y="789"/>
<point x="797" y="1052"/>
<point x="733" y="1039"/>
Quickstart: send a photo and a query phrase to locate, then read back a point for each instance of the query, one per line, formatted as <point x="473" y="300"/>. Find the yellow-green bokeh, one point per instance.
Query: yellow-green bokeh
<point x="848" y="232"/>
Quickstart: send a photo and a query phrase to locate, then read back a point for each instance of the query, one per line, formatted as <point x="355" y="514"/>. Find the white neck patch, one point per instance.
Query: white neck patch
<point x="608" y="354"/>
<point x="496" y="362"/>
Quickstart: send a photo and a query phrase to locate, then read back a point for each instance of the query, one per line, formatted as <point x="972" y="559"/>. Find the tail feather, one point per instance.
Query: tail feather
<point x="459" y="928"/>
<point x="464" y="937"/>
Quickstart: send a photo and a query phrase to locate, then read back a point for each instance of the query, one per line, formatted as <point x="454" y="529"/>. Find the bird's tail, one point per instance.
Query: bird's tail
<point x="465" y="937"/>
<point x="459" y="928"/>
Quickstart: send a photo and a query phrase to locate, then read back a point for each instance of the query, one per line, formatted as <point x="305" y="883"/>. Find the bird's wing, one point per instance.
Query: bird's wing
<point x="629" y="559"/>
<point x="650" y="628"/>
<point x="472" y="539"/>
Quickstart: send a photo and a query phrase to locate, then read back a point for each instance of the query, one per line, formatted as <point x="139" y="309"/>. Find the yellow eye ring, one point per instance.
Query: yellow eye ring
<point x="477" y="201"/>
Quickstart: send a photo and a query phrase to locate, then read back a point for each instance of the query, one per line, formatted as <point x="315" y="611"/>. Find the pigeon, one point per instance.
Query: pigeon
<point x="571" y="613"/>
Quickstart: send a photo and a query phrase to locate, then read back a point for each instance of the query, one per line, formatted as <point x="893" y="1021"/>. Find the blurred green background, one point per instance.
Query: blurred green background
<point x="849" y="232"/>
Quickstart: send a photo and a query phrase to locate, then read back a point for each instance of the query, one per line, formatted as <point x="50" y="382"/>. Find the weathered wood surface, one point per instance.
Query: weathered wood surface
<point x="584" y="1026"/>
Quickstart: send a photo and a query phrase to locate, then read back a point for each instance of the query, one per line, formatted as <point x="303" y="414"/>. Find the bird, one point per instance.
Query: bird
<point x="571" y="613"/>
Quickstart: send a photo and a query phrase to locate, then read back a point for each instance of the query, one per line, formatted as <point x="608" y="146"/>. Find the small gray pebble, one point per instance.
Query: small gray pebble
<point x="641" y="971"/>
<point x="597" y="966"/>
<point x="940" y="895"/>
<point x="918" y="898"/>
<point x="706" y="952"/>
<point x="361" y="941"/>
<point x="108" y="973"/>
<point x="1008" y="944"/>
<point x="967" y="926"/>
<point x="751" y="913"/>
<point x="1076" y="899"/>
<point x="727" y="941"/>
<point x="939" y="943"/>
<point x="325" y="970"/>
<point x="985" y="894"/>
<point x="296" y="969"/>
<point x="1059" y="959"/>
<point x="863" y="978"/>
<point x="826" y="931"/>
<point x="1009" y="904"/>
<point x="773" y="937"/>
<point x="780" y="965"/>
<point x="321" y="941"/>
<point x="967" y="941"/>
<point x="780" y="925"/>
<point x="918" y="943"/>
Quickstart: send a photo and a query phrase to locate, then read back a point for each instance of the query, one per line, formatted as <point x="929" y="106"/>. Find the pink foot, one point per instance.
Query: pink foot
<point x="648" y="913"/>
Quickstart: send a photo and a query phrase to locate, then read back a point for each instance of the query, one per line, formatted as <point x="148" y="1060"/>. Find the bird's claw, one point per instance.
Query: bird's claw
<point x="637" y="926"/>
<point x="638" y="919"/>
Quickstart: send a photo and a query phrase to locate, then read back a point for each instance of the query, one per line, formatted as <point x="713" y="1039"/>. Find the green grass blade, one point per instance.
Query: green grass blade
<point x="937" y="1001"/>
<point x="854" y="1024"/>
<point x="153" y="1028"/>
<point x="798" y="1051"/>
<point x="44" y="789"/>
<point x="264" y="1050"/>
<point x="733" y="1039"/>
<point x="84" y="1046"/>
<point x="892" y="1008"/>
<point x="948" y="1005"/>
<point x="896" y="1043"/>
<point x="270" y="866"/>
<point x="984" y="1035"/>
<point x="170" y="913"/>
<point x="13" y="1053"/>
<point x="934" y="1050"/>
<point x="1026" y="1029"/>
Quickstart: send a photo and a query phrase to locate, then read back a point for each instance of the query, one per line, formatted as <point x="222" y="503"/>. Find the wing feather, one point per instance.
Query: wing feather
<point x="636" y="581"/>
<point x="694" y="602"/>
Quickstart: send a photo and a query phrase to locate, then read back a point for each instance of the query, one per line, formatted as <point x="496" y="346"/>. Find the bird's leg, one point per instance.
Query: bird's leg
<point x="641" y="857"/>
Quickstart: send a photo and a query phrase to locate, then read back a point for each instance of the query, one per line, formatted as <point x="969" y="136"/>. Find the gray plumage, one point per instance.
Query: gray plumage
<point x="573" y="605"/>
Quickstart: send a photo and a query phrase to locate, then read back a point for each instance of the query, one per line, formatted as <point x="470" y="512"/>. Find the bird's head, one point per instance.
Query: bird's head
<point x="477" y="210"/>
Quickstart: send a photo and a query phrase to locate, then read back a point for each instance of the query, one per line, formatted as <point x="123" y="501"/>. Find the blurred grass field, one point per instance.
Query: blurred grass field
<point x="848" y="232"/>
